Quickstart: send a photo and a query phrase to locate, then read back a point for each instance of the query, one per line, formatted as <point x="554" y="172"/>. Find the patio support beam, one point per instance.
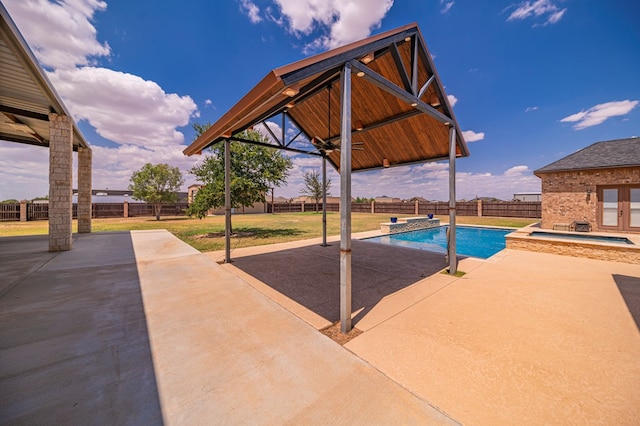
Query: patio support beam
<point x="84" y="190"/>
<point x="345" y="199"/>
<point x="451" y="246"/>
<point x="60" y="182"/>
<point x="324" y="201"/>
<point x="227" y="201"/>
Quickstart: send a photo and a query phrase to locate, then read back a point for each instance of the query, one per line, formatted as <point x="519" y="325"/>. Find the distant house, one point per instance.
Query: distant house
<point x="385" y="199"/>
<point x="310" y="200"/>
<point x="527" y="196"/>
<point x="598" y="185"/>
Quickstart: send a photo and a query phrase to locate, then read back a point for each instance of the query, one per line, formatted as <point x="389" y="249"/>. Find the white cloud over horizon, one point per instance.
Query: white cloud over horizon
<point x="546" y="9"/>
<point x="598" y="114"/>
<point x="428" y="180"/>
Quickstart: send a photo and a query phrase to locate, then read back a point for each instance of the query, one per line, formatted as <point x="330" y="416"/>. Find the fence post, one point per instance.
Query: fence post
<point x="126" y="209"/>
<point x="373" y="206"/>
<point x="479" y="207"/>
<point x="302" y="207"/>
<point x="23" y="210"/>
<point x="416" y="209"/>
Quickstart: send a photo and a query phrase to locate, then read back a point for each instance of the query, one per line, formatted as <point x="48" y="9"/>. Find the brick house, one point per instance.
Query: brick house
<point x="598" y="185"/>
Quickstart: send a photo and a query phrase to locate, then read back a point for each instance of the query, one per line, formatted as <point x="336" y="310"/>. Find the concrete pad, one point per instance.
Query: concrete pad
<point x="526" y="338"/>
<point x="309" y="276"/>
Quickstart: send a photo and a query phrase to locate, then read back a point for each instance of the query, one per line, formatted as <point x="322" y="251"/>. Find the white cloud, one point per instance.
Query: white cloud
<point x="338" y="21"/>
<point x="600" y="113"/>
<point x="471" y="136"/>
<point x="252" y="11"/>
<point x="452" y="100"/>
<point x="517" y="171"/>
<point x="546" y="9"/>
<point x="123" y="107"/>
<point x="136" y="114"/>
<point x="531" y="108"/>
<point x="446" y="5"/>
<point x="60" y="33"/>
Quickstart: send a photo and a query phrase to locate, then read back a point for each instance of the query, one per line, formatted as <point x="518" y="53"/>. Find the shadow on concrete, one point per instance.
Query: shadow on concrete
<point x="629" y="288"/>
<point x="74" y="347"/>
<point x="311" y="275"/>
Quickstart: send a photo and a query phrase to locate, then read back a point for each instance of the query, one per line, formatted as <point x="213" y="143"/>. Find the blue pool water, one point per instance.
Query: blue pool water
<point x="601" y="238"/>
<point x="470" y="241"/>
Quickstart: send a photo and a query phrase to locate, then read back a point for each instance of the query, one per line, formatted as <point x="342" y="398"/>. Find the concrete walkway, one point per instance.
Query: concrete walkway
<point x="139" y="328"/>
<point x="524" y="338"/>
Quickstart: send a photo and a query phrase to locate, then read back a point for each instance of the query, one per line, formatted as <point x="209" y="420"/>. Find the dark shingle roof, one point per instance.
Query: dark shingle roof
<point x="600" y="155"/>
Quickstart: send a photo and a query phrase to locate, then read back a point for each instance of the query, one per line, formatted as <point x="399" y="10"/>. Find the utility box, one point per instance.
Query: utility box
<point x="581" y="226"/>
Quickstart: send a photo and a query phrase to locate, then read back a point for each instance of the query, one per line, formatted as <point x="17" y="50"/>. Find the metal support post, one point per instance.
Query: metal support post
<point x="324" y="201"/>
<point x="227" y="201"/>
<point x="345" y="199"/>
<point x="453" y="266"/>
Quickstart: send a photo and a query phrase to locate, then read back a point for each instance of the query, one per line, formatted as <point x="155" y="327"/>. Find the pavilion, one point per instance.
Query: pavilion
<point x="371" y="104"/>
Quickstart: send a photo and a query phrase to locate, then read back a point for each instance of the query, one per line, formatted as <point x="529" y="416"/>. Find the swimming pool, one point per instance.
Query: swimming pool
<point x="470" y="240"/>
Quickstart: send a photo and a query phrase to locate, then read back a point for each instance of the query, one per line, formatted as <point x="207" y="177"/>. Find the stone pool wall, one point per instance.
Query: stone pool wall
<point x="408" y="224"/>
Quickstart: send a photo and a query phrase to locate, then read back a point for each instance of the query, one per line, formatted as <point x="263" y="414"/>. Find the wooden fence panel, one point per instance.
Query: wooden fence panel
<point x="531" y="209"/>
<point x="361" y="207"/>
<point x="399" y="208"/>
<point x="9" y="212"/>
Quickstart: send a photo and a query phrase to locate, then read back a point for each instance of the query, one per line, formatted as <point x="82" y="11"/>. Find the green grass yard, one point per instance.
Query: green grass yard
<point x="250" y="230"/>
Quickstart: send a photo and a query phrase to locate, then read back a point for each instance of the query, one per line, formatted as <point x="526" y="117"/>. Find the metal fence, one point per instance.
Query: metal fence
<point x="40" y="211"/>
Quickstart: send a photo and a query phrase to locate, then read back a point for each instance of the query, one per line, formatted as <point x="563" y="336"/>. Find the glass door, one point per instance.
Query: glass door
<point x="634" y="208"/>
<point x="610" y="208"/>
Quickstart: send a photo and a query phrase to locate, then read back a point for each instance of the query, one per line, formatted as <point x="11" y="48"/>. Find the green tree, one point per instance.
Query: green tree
<point x="313" y="186"/>
<point x="254" y="171"/>
<point x="156" y="184"/>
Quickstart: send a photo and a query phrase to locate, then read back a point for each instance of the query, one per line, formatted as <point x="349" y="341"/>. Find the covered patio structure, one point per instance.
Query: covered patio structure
<point x="372" y="104"/>
<point x="32" y="112"/>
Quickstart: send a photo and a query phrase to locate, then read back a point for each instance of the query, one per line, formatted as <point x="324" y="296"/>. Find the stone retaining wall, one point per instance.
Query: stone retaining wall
<point x="611" y="252"/>
<point x="408" y="224"/>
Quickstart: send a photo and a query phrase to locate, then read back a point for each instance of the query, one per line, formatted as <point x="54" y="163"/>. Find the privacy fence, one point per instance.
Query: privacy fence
<point x="463" y="208"/>
<point x="40" y="211"/>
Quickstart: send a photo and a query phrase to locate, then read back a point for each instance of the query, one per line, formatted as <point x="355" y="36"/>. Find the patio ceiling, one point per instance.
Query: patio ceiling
<point x="27" y="97"/>
<point x="399" y="111"/>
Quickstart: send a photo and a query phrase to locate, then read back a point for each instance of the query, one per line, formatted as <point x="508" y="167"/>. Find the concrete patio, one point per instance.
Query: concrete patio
<point x="139" y="328"/>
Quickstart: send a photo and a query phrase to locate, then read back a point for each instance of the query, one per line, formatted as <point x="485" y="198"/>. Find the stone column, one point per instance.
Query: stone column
<point x="417" y="208"/>
<point x="373" y="207"/>
<point x="126" y="209"/>
<point x="23" y="211"/>
<point x="84" y="190"/>
<point x="479" y="207"/>
<point x="60" y="182"/>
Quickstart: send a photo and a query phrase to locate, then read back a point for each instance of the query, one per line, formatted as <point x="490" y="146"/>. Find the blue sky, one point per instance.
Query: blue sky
<point x="530" y="81"/>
